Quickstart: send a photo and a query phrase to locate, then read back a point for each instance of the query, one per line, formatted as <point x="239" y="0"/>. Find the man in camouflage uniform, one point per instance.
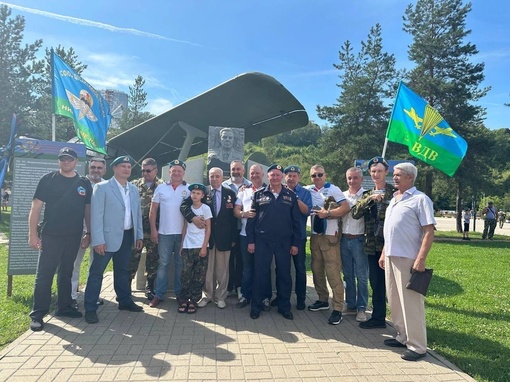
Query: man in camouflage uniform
<point x="372" y="207"/>
<point x="146" y="186"/>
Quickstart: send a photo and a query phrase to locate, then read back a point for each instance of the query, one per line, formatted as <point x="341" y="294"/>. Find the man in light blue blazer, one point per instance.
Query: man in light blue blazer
<point x="116" y="220"/>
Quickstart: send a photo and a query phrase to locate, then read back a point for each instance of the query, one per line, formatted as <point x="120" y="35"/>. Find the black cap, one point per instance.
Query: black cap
<point x="67" y="151"/>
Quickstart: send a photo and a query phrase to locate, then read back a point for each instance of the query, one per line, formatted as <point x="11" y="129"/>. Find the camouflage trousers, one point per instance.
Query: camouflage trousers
<point x="151" y="260"/>
<point x="193" y="273"/>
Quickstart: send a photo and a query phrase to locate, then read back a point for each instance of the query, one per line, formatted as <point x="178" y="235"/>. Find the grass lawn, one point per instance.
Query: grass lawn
<point x="468" y="306"/>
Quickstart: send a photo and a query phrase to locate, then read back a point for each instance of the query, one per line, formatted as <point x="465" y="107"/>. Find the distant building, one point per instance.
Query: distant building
<point x="118" y="102"/>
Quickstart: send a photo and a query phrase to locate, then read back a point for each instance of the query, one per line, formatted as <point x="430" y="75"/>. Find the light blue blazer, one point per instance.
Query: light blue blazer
<point x="107" y="214"/>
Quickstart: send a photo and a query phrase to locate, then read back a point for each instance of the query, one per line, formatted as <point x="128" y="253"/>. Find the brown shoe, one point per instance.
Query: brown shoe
<point x="155" y="302"/>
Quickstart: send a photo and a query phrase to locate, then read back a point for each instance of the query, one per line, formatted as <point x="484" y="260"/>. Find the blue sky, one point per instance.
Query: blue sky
<point x="183" y="48"/>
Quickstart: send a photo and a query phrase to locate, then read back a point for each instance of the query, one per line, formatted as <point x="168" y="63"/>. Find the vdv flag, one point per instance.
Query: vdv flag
<point x="428" y="136"/>
<point x="74" y="98"/>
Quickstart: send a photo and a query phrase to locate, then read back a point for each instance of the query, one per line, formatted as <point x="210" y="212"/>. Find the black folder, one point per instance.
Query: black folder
<point x="420" y="281"/>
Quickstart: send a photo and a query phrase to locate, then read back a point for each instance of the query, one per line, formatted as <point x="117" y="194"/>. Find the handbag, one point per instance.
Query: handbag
<point x="420" y="281"/>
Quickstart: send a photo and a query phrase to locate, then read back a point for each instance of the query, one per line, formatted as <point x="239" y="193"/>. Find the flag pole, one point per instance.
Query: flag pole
<point x="52" y="66"/>
<point x="389" y="122"/>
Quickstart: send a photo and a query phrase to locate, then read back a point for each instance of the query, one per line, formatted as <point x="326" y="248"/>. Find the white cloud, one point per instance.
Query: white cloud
<point x="95" y="24"/>
<point x="159" y="105"/>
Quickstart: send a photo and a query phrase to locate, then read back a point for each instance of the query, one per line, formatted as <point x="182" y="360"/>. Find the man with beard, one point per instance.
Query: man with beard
<point x="236" y="182"/>
<point x="97" y="168"/>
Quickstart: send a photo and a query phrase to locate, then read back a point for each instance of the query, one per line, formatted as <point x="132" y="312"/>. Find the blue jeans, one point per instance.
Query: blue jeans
<point x="121" y="278"/>
<point x="355" y="268"/>
<point x="168" y="245"/>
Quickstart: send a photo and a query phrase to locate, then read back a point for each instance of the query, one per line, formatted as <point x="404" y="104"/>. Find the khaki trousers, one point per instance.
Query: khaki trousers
<point x="407" y="306"/>
<point x="327" y="264"/>
<point x="216" y="278"/>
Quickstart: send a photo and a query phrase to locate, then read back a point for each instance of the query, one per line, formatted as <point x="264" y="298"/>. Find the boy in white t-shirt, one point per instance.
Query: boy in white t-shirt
<point x="194" y="252"/>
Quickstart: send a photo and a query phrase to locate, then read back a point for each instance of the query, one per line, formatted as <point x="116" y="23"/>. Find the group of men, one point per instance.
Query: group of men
<point x="377" y="235"/>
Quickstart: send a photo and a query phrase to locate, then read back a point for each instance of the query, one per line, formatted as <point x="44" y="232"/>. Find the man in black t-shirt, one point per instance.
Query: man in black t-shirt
<point x="66" y="197"/>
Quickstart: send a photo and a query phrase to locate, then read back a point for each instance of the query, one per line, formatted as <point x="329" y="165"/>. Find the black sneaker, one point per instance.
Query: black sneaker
<point x="318" y="305"/>
<point x="36" y="325"/>
<point x="266" y="305"/>
<point x="335" y="318"/>
<point x="68" y="312"/>
<point x="74" y="304"/>
<point x="242" y="303"/>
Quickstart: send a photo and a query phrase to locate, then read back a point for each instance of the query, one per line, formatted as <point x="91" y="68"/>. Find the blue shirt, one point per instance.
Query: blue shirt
<point x="306" y="197"/>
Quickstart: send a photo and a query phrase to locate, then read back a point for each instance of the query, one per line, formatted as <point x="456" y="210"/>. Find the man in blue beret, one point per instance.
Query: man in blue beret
<point x="168" y="235"/>
<point x="304" y="201"/>
<point x="372" y="208"/>
<point x="116" y="221"/>
<point x="274" y="231"/>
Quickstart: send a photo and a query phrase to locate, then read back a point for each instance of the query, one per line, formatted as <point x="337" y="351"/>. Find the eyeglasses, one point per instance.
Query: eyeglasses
<point x="147" y="171"/>
<point x="96" y="167"/>
<point x="66" y="159"/>
<point x="320" y="175"/>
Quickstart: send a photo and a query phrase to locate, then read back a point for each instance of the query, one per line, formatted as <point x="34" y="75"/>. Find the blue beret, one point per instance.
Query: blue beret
<point x="275" y="167"/>
<point x="197" y="186"/>
<point x="292" y="169"/>
<point x="377" y="160"/>
<point x="177" y="162"/>
<point x="123" y="159"/>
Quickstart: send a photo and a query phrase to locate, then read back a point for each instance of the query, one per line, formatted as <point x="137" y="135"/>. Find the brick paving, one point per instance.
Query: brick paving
<point x="212" y="345"/>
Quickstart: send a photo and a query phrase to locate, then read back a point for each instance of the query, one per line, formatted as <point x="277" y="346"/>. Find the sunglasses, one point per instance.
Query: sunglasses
<point x="96" y="167"/>
<point x="320" y="175"/>
<point x="66" y="159"/>
<point x="147" y="171"/>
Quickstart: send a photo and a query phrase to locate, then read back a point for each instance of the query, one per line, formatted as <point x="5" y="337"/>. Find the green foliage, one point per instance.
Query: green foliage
<point x="18" y="71"/>
<point x="360" y="116"/>
<point x="134" y="115"/>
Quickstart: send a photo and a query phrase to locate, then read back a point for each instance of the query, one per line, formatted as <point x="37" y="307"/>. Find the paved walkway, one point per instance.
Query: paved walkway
<point x="212" y="345"/>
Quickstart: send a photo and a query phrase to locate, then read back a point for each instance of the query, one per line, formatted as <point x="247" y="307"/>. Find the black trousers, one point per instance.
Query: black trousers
<point x="58" y="254"/>
<point x="378" y="285"/>
<point x="235" y="268"/>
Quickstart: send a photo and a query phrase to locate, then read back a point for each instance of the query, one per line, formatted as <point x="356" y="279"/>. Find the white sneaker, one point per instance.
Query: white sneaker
<point x="221" y="304"/>
<point x="203" y="302"/>
<point x="239" y="294"/>
<point x="361" y="316"/>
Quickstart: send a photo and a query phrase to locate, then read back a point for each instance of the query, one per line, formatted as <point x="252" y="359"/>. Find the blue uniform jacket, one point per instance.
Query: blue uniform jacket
<point x="276" y="218"/>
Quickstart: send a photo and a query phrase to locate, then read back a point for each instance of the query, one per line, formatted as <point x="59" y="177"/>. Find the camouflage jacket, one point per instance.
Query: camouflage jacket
<point x="367" y="209"/>
<point x="145" y="201"/>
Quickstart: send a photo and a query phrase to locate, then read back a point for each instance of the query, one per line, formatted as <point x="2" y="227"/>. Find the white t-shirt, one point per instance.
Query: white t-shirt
<point x="194" y="237"/>
<point x="349" y="224"/>
<point x="171" y="220"/>
<point x="245" y="198"/>
<point x="318" y="199"/>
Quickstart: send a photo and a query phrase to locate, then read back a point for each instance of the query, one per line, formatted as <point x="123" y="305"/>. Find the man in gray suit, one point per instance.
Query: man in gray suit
<point x="116" y="220"/>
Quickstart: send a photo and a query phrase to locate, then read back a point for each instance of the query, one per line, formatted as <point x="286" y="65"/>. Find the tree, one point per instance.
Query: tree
<point x="134" y="115"/>
<point x="446" y="78"/>
<point x="360" y="117"/>
<point x="18" y="71"/>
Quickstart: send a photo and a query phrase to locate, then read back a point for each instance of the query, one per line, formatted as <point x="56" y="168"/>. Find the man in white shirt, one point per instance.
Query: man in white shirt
<point x="167" y="199"/>
<point x="324" y="243"/>
<point x="354" y="258"/>
<point x="408" y="237"/>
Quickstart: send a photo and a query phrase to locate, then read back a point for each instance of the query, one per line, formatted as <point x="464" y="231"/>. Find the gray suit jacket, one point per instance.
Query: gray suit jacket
<point x="107" y="214"/>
